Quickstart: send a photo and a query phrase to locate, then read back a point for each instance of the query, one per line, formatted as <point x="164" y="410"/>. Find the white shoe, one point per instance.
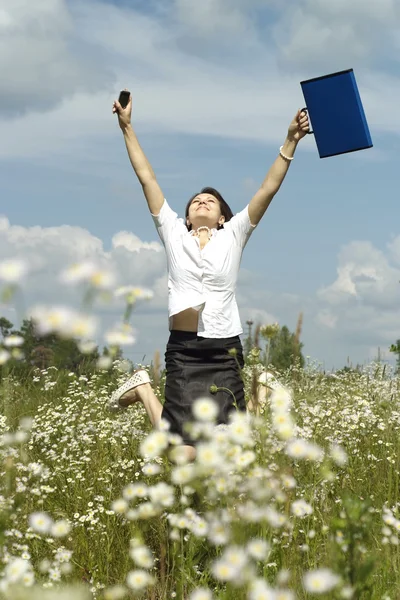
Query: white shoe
<point x="269" y="381"/>
<point x="273" y="383"/>
<point x="138" y="378"/>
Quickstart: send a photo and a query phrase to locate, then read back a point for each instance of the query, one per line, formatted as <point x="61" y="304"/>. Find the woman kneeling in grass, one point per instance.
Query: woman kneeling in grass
<point x="203" y="251"/>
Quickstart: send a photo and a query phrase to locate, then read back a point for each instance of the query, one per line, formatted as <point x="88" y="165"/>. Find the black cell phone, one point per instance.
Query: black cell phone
<point x="124" y="98"/>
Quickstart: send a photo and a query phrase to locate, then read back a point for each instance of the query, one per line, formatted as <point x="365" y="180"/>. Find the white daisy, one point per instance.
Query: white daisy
<point x="12" y="271"/>
<point x="205" y="409"/>
<point x="142" y="556"/>
<point x="60" y="528"/>
<point x="120" y="336"/>
<point x="320" y="581"/>
<point x="138" y="580"/>
<point x="4" y="356"/>
<point x="16" y="569"/>
<point x="201" y="594"/>
<point x="78" y="272"/>
<point x="301" y="508"/>
<point x="258" y="549"/>
<point x="120" y="506"/>
<point x="116" y="592"/>
<point x="40" y="522"/>
<point x="338" y="455"/>
<point x="12" y="341"/>
<point x="154" y="444"/>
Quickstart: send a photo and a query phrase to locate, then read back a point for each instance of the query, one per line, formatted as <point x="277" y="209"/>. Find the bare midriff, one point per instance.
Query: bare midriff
<point x="186" y="320"/>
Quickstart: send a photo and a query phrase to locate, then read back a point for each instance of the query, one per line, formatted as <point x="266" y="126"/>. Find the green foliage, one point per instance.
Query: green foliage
<point x="45" y="351"/>
<point x="5" y="326"/>
<point x="351" y="536"/>
<point x="282" y="350"/>
<point x="88" y="457"/>
<point x="249" y="341"/>
<point x="285" y="350"/>
<point x="395" y="349"/>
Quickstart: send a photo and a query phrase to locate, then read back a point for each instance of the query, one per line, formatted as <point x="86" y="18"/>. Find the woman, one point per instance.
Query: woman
<point x="203" y="257"/>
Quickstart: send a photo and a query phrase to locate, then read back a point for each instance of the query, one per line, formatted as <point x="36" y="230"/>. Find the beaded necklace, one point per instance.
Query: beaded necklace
<point x="202" y="228"/>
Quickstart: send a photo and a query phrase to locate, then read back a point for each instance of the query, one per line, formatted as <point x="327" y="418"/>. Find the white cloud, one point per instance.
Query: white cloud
<point x="214" y="20"/>
<point x="4" y="223"/>
<point x="258" y="316"/>
<point x="41" y="59"/>
<point x="394" y="249"/>
<point x="258" y="303"/>
<point x="178" y="87"/>
<point x="209" y="71"/>
<point x="383" y="12"/>
<point x="132" y="261"/>
<point x="326" y="318"/>
<point x="131" y="242"/>
<point x="362" y="305"/>
<point x="84" y="128"/>
<point x="365" y="276"/>
<point x="341" y="288"/>
<point x="336" y="34"/>
<point x="160" y="289"/>
<point x="49" y="250"/>
<point x="360" y="309"/>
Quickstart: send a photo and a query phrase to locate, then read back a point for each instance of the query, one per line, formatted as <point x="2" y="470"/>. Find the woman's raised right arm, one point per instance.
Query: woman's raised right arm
<point x="140" y="164"/>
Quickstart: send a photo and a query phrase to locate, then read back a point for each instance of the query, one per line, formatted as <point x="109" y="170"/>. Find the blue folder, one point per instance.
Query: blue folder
<point x="336" y="113"/>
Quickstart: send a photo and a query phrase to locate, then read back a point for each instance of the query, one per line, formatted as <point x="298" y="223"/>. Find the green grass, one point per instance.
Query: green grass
<point x="87" y="457"/>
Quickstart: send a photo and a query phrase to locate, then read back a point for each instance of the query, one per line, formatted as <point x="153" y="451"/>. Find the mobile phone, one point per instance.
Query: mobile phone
<point x="124" y="98"/>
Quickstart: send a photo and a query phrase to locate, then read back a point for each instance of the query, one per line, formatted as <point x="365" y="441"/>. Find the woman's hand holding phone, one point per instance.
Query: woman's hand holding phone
<point x="123" y="108"/>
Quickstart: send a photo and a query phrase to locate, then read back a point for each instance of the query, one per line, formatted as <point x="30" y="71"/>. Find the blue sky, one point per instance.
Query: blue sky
<point x="215" y="85"/>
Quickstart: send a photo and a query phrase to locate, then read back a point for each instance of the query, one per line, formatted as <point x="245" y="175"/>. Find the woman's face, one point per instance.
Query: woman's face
<point x="205" y="210"/>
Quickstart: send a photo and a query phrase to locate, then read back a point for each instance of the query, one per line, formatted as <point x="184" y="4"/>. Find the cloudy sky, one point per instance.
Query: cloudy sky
<point x="215" y="85"/>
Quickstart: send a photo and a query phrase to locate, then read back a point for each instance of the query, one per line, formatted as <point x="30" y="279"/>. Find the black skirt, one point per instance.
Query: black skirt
<point x="193" y="365"/>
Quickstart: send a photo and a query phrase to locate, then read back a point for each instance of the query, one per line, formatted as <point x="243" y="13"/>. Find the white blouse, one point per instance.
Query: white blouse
<point x="204" y="279"/>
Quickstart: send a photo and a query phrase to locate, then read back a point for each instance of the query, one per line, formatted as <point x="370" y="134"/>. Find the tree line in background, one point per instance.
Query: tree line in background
<point x="395" y="349"/>
<point x="283" y="347"/>
<point x="275" y="346"/>
<point x="44" y="351"/>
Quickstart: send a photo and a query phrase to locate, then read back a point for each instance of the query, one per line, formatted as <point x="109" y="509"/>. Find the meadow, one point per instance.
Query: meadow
<point x="297" y="500"/>
<point x="301" y="500"/>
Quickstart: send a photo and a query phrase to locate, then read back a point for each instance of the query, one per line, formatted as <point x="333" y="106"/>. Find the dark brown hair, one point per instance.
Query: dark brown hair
<point x="224" y="207"/>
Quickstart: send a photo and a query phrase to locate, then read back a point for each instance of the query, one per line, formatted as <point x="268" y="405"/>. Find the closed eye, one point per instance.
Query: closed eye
<point x="208" y="200"/>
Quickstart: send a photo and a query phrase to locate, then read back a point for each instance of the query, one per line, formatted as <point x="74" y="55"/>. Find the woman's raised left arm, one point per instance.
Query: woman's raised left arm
<point x="298" y="128"/>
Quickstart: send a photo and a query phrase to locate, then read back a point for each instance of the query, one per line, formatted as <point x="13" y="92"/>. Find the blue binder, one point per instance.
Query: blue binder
<point x="336" y="113"/>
